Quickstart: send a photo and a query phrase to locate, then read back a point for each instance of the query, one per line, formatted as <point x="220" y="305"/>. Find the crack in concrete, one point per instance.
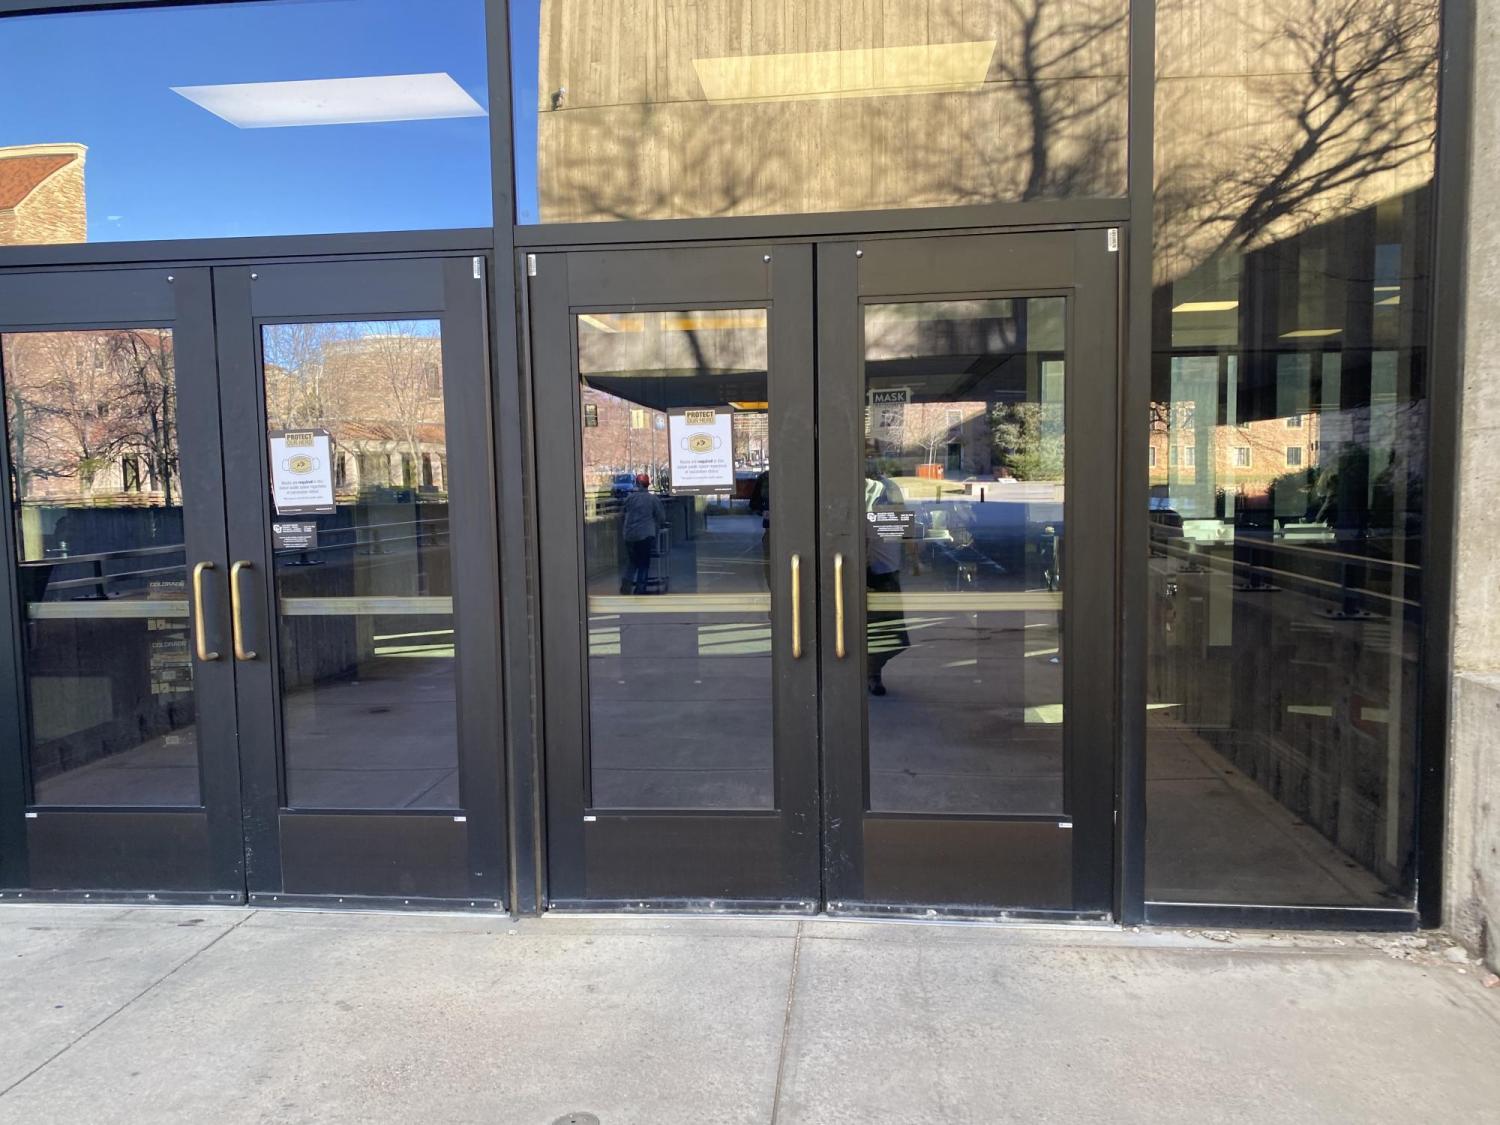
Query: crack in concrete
<point x="173" y="971"/>
<point x="786" y="1024"/>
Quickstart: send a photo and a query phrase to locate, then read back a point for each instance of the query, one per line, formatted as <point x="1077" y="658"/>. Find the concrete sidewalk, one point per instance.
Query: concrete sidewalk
<point x="218" y="1015"/>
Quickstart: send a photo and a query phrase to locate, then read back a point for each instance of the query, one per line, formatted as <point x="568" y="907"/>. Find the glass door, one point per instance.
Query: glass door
<point x="967" y="422"/>
<point x="674" y="404"/>
<point x="362" y="579"/>
<point x="118" y="750"/>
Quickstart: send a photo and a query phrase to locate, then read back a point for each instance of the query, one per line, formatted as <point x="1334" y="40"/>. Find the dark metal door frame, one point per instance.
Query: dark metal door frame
<point x="1081" y="265"/>
<point x="451" y="858"/>
<point x="592" y="853"/>
<point x="127" y="852"/>
<point x="720" y="859"/>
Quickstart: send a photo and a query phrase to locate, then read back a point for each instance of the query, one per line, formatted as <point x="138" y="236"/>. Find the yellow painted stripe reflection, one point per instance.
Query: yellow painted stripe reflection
<point x="115" y="610"/>
<point x="364" y="607"/>
<point x="928" y="601"/>
<point x="679" y="603"/>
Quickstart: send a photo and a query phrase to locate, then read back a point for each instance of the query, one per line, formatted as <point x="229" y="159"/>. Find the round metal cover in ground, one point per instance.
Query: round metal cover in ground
<point x="577" y="1119"/>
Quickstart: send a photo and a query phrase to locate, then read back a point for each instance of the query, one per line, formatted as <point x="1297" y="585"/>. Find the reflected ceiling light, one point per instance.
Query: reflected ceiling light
<point x="596" y="323"/>
<point x="1396" y="300"/>
<point x="860" y="72"/>
<point x="1205" y="306"/>
<point x="707" y="321"/>
<point x="1310" y="333"/>
<point x="335" y="101"/>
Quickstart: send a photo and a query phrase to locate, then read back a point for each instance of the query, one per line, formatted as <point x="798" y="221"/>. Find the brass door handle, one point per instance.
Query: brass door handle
<point x="838" y="606"/>
<point x="796" y="607"/>
<point x="237" y="621"/>
<point x="201" y="639"/>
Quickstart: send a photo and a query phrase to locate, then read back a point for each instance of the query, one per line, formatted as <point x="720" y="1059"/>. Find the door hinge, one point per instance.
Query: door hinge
<point x="1114" y="240"/>
<point x="530" y="265"/>
<point x="478" y="267"/>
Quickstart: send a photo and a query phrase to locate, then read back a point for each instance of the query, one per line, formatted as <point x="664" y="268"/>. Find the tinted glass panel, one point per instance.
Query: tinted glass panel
<point x="1288" y="428"/>
<point x="364" y="590"/>
<point x="673" y="108"/>
<point x="963" y="555"/>
<point x="676" y="478"/>
<point x="97" y="492"/>
<point x="243" y="119"/>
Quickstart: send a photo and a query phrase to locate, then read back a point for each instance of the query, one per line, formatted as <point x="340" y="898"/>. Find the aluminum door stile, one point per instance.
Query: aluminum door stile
<point x="121" y="852"/>
<point x="887" y="862"/>
<point x="841" y="458"/>
<point x="1092" y="567"/>
<point x="473" y="535"/>
<point x="714" y="859"/>
<point x="396" y="857"/>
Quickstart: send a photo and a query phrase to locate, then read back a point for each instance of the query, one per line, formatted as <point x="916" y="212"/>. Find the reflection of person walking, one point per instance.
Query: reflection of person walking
<point x="887" y="637"/>
<point x="644" y="518"/>
<point x="760" y="505"/>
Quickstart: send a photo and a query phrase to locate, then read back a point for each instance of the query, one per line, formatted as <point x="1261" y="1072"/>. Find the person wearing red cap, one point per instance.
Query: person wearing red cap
<point x="644" y="518"/>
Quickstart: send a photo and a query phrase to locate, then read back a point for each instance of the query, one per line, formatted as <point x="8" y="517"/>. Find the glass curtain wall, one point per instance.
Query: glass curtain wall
<point x="668" y="109"/>
<point x="227" y="120"/>
<point x="1294" y="164"/>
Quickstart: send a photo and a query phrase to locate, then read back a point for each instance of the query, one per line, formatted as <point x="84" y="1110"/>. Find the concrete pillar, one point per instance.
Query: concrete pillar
<point x="1472" y="869"/>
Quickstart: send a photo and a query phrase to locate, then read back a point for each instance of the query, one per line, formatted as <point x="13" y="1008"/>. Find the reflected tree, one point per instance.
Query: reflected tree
<point x="1064" y="67"/>
<point x="407" y="379"/>
<point x="1346" y="113"/>
<point x="69" y="418"/>
<point x="149" y="396"/>
<point x="1045" y="119"/>
<point x="1029" y="439"/>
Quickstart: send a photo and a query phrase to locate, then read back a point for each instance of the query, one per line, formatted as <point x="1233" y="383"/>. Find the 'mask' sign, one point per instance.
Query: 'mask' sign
<point x="302" y="472"/>
<point x="702" y="440"/>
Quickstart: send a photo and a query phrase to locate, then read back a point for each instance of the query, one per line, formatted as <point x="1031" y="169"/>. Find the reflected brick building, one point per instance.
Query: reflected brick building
<point x="42" y="194"/>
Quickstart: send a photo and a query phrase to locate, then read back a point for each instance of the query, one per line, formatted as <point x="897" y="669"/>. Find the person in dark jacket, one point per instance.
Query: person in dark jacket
<point x="644" y="518"/>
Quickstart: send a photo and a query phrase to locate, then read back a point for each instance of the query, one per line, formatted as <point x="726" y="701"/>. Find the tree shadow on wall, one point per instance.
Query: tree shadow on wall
<point x="1047" y="121"/>
<point x="1059" y="83"/>
<point x="1346" y="119"/>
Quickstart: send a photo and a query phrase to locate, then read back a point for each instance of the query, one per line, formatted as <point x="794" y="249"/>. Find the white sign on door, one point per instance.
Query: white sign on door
<point x="887" y="413"/>
<point x="702" y="441"/>
<point x="302" y="472"/>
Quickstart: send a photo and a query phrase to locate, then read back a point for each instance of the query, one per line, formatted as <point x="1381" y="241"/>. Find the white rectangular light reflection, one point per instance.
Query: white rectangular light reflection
<point x="1205" y="306"/>
<point x="858" y="72"/>
<point x="335" y="101"/>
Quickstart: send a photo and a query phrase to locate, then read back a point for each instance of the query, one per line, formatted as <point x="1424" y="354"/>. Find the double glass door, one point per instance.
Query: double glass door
<point x="252" y="546"/>
<point x="828" y="542"/>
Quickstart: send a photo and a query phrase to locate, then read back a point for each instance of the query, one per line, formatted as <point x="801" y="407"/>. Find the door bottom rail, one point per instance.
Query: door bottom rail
<point x="122" y="898"/>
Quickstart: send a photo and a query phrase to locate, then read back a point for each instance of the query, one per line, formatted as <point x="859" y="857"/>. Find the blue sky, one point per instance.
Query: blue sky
<point x="525" y="35"/>
<point x="161" y="167"/>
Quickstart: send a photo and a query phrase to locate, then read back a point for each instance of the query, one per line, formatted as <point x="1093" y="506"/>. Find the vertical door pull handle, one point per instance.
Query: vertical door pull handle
<point x="237" y="618"/>
<point x="838" y="607"/>
<point x="796" y="607"/>
<point x="201" y="639"/>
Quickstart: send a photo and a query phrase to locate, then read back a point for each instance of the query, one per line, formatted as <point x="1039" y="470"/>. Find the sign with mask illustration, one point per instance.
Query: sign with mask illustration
<point x="887" y="413"/>
<point x="702" y="440"/>
<point x="302" y="472"/>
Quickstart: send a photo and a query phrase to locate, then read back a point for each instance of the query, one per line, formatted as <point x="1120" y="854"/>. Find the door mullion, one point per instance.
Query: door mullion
<point x="203" y="477"/>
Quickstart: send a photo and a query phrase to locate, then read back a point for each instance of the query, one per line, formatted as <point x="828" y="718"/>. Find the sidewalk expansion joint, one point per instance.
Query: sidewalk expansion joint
<point x="786" y="1023"/>
<point x="168" y="975"/>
